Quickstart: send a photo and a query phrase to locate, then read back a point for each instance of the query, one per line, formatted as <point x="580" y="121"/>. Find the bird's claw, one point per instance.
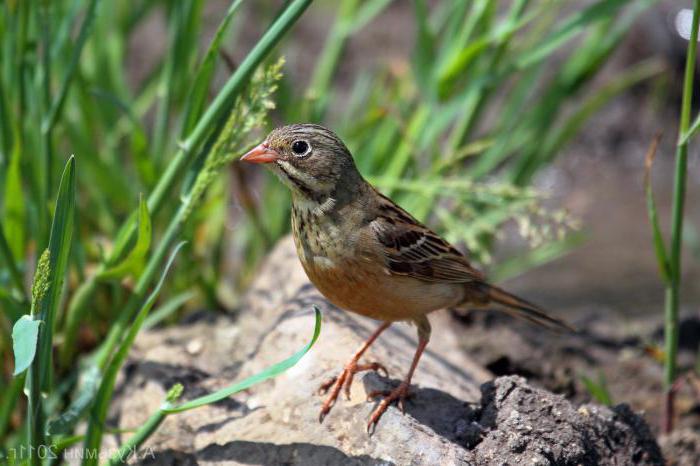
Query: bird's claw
<point x="400" y="393"/>
<point x="325" y="386"/>
<point x="344" y="381"/>
<point x="374" y="366"/>
<point x="322" y="415"/>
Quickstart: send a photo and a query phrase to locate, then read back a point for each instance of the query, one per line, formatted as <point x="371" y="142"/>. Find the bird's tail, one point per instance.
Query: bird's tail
<point x="518" y="307"/>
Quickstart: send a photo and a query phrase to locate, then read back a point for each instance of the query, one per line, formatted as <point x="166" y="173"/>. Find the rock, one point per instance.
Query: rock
<point x="525" y="425"/>
<point x="456" y="416"/>
<point x="682" y="447"/>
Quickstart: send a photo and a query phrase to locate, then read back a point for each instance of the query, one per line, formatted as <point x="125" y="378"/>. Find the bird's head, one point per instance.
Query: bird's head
<point x="310" y="159"/>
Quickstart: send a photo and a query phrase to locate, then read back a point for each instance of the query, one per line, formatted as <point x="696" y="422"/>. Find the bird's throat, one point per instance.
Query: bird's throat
<point x="315" y="206"/>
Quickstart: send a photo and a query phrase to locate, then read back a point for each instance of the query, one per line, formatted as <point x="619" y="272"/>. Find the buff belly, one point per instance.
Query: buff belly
<point x="372" y="292"/>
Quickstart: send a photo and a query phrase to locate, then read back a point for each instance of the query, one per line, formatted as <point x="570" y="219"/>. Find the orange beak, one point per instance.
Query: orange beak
<point x="261" y="154"/>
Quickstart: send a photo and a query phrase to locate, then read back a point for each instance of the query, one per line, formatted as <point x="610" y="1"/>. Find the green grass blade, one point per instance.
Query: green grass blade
<point x="478" y="92"/>
<point x="318" y="91"/>
<point x="556" y="138"/>
<point x="692" y="131"/>
<point x="223" y="102"/>
<point x="59" y="249"/>
<point x="57" y="104"/>
<point x="46" y="292"/>
<point x="514" y="266"/>
<point x="673" y="289"/>
<point x="7" y="257"/>
<point x="403" y="153"/>
<point x="202" y="81"/>
<point x="167" y="309"/>
<point x="463" y="19"/>
<point x="6" y="141"/>
<point x="598" y="390"/>
<point x="458" y="64"/>
<point x="658" y="239"/>
<point x="93" y="438"/>
<point x="367" y="11"/>
<point x="576" y="23"/>
<point x="9" y="396"/>
<point x="15" y="217"/>
<point x="181" y="41"/>
<point x="424" y="49"/>
<point x="65" y="423"/>
<point x="122" y="455"/>
<point x="12" y="308"/>
<point x="66" y="442"/>
<point x="134" y="261"/>
<point x="268" y="373"/>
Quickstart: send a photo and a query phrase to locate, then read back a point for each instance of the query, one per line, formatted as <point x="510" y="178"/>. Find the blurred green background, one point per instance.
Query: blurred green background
<point x="518" y="124"/>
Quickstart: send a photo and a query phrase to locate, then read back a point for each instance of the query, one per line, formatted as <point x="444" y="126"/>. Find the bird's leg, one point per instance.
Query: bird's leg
<point x="401" y="392"/>
<point x="344" y="379"/>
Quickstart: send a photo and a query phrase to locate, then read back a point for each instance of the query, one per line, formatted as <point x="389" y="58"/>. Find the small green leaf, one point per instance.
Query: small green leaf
<point x="174" y="393"/>
<point x="133" y="262"/>
<point x="24" y="338"/>
<point x="268" y="373"/>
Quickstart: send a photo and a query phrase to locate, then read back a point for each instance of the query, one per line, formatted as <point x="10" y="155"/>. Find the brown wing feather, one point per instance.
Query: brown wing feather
<point x="412" y="249"/>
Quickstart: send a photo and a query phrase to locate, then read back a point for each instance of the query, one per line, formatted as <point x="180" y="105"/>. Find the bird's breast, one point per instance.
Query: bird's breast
<point x="351" y="273"/>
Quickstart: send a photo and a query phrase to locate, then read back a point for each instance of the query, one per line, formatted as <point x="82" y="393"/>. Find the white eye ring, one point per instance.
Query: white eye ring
<point x="301" y="148"/>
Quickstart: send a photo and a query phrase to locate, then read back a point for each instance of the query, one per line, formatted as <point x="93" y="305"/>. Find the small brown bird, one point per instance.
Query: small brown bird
<point x="368" y="255"/>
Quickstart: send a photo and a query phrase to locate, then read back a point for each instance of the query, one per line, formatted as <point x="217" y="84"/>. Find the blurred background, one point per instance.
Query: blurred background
<point x="518" y="129"/>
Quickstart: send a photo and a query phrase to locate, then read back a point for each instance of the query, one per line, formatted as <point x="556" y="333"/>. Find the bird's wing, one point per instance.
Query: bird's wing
<point x="412" y="249"/>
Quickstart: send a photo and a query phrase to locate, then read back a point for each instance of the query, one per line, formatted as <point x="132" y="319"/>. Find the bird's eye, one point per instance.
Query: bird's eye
<point x="300" y="147"/>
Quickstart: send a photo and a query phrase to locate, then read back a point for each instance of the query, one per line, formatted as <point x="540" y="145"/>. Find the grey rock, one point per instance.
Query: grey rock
<point x="456" y="417"/>
<point x="682" y="447"/>
<point x="526" y="425"/>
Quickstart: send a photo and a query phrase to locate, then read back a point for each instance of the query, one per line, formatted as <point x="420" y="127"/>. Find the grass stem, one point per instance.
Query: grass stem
<point x="673" y="287"/>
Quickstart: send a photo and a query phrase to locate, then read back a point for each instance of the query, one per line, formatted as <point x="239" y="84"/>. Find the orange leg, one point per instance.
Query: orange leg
<point x="344" y="379"/>
<point x="400" y="393"/>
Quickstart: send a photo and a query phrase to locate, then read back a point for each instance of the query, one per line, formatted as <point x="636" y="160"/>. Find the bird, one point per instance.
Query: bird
<point x="367" y="255"/>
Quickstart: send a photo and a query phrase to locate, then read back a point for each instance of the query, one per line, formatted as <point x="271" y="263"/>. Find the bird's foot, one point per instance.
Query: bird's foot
<point x="400" y="393"/>
<point x="344" y="380"/>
